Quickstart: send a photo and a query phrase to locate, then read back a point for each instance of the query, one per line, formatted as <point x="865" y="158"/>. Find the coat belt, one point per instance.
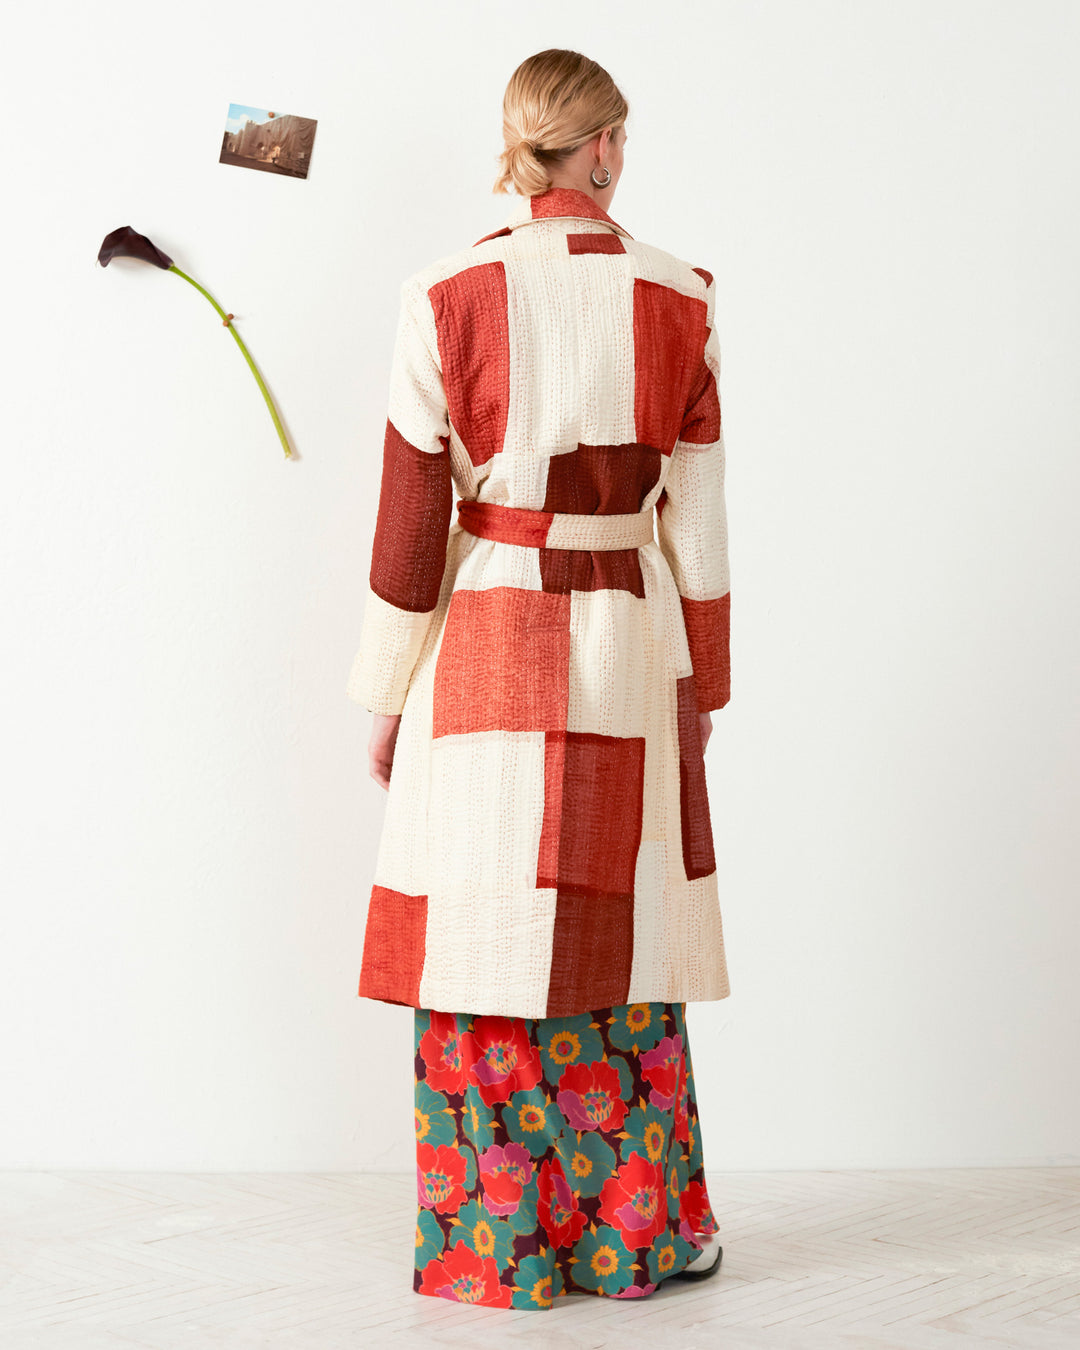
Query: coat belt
<point x="554" y="529"/>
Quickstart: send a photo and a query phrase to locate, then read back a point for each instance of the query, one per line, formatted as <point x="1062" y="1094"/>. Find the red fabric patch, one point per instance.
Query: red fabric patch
<point x="701" y="421"/>
<point x="707" y="276"/>
<point x="602" y="480"/>
<point x="596" y="814"/>
<point x="592" y="952"/>
<point x="697" y="838"/>
<point x="708" y="635"/>
<point x="669" y="338"/>
<point x="595" y="243"/>
<point x="511" y="524"/>
<point x="394" y="946"/>
<point x="504" y="662"/>
<point x="563" y="570"/>
<point x="416" y="498"/>
<point x="589" y="840"/>
<point x="474" y="343"/>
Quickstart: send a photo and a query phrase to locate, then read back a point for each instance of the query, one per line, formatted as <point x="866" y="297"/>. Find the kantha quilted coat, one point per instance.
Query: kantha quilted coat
<point x="547" y="847"/>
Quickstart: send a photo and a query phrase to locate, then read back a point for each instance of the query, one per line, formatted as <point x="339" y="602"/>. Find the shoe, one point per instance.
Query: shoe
<point x="687" y="1274"/>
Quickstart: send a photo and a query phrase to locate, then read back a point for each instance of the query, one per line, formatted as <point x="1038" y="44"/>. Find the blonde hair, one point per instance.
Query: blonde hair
<point x="556" y="101"/>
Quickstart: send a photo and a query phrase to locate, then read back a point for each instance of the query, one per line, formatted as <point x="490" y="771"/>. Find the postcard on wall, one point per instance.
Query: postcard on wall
<point x="256" y="138"/>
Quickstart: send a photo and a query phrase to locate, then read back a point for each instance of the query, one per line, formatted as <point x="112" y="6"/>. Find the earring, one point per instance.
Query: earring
<point x="606" y="181"/>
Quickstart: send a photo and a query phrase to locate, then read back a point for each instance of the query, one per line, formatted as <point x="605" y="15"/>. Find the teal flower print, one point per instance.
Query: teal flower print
<point x="646" y="1132"/>
<point x="478" y="1119"/>
<point x="587" y="1161"/>
<point x="602" y="1262"/>
<point x="677" y="1172"/>
<point x="569" y="1040"/>
<point x="435" y="1120"/>
<point x="485" y="1235"/>
<point x="524" y="1218"/>
<point x="640" y="1027"/>
<point x="536" y="1284"/>
<point x="532" y="1120"/>
<point x="429" y="1238"/>
<point x="667" y="1254"/>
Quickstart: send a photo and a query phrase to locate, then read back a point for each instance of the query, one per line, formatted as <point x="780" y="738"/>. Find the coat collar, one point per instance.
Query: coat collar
<point x="556" y="203"/>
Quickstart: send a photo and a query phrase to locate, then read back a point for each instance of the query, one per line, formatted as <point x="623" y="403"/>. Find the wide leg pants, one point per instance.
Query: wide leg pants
<point x="556" y="1155"/>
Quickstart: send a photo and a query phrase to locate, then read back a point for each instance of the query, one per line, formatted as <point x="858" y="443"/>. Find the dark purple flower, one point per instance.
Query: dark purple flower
<point x="128" y="243"/>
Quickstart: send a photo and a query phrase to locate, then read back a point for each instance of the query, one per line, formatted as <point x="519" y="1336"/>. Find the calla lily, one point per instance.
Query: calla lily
<point x="128" y="243"/>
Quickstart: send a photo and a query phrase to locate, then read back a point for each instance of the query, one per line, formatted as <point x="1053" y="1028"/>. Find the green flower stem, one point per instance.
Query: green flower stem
<point x="226" y="318"/>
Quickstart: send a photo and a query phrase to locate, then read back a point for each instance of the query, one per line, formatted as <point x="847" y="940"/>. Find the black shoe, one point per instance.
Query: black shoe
<point x="700" y="1274"/>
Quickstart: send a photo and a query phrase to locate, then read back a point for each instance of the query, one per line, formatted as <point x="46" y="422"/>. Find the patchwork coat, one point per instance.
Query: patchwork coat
<point x="547" y="847"/>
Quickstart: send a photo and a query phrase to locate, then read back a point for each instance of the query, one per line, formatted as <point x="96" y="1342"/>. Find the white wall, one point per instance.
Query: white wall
<point x="888" y="197"/>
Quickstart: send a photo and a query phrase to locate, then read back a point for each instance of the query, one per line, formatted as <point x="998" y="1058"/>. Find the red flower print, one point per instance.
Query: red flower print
<point x="464" y="1277"/>
<point x="499" y="1058"/>
<point x="682" y="1105"/>
<point x="694" y="1209"/>
<point x="557" y="1206"/>
<point x="589" y="1096"/>
<point x="634" y="1201"/>
<point x="442" y="1054"/>
<point x="661" y="1067"/>
<point x="440" y="1174"/>
<point x="505" y="1171"/>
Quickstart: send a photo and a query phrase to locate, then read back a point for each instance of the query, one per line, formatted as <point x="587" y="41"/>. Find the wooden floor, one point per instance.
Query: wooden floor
<point x="980" y="1258"/>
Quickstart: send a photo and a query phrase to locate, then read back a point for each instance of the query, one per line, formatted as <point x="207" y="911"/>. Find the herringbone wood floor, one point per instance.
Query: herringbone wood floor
<point x="861" y="1260"/>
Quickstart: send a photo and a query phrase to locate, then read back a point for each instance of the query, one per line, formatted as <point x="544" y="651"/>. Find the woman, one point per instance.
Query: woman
<point x="542" y="672"/>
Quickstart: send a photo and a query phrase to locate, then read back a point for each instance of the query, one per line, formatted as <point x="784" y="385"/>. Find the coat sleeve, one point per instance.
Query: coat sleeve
<point x="692" y="524"/>
<point x="408" y="556"/>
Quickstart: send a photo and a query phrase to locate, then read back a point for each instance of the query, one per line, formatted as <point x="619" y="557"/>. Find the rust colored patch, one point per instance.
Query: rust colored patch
<point x="394" y="946"/>
<point x="473" y="333"/>
<point x="503" y="663"/>
<point x="708" y="635"/>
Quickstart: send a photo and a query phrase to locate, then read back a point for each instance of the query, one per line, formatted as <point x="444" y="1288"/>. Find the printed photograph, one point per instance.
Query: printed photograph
<point x="256" y="138"/>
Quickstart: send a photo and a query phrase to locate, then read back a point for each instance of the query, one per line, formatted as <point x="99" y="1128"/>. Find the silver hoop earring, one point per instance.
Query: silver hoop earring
<point x="606" y="181"/>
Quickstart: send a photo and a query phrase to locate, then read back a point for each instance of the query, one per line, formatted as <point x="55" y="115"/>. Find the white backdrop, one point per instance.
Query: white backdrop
<point x="887" y="195"/>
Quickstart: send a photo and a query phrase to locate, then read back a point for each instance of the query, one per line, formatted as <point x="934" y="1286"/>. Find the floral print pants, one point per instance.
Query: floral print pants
<point x="556" y="1155"/>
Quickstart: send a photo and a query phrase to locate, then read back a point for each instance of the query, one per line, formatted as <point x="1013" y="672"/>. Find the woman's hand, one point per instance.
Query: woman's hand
<point x="381" y="747"/>
<point x="705" y="721"/>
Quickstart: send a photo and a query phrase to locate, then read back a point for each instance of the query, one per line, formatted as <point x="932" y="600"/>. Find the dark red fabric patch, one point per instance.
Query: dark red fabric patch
<point x="592" y="953"/>
<point x="474" y="343"/>
<point x="563" y="570"/>
<point x="708" y="635"/>
<point x="591" y="782"/>
<point x="595" y="243"/>
<point x="697" y="838"/>
<point x="503" y="663"/>
<point x="510" y="524"/>
<point x="701" y="421"/>
<point x="416" y="497"/>
<point x="708" y="276"/>
<point x="669" y="338"/>
<point x="603" y="480"/>
<point x="394" y="946"/>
